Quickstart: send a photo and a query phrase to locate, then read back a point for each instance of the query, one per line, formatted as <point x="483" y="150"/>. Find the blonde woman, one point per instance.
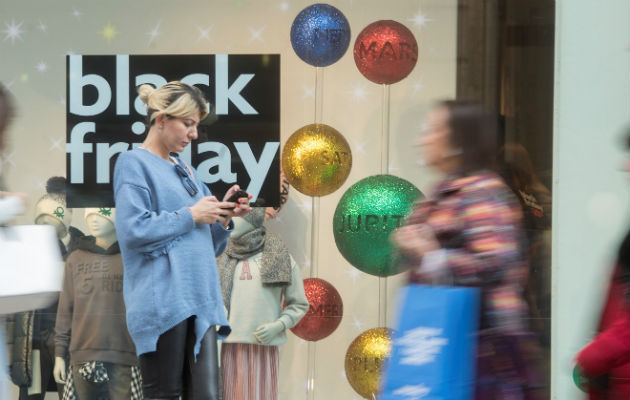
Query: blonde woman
<point x="170" y="229"/>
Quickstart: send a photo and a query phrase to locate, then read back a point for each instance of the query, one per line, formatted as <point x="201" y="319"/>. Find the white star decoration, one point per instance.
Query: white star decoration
<point x="204" y="33"/>
<point x="360" y="148"/>
<point x="357" y="324"/>
<point x="13" y="31"/>
<point x="42" y="26"/>
<point x="41" y="67"/>
<point x="154" y="33"/>
<point x="358" y="92"/>
<point x="357" y="147"/>
<point x="77" y="13"/>
<point x="7" y="158"/>
<point x="308" y="92"/>
<point x="417" y="86"/>
<point x="55" y="144"/>
<point x="284" y="6"/>
<point x="256" y="34"/>
<point x="419" y="19"/>
<point x="307" y="262"/>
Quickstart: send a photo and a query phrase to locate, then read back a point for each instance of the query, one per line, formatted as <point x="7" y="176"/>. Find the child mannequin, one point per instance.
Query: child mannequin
<point x="91" y="327"/>
<point x="32" y="332"/>
<point x="257" y="275"/>
<point x="51" y="210"/>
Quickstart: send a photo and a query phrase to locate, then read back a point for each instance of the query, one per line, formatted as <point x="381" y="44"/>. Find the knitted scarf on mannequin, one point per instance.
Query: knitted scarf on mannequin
<point x="275" y="263"/>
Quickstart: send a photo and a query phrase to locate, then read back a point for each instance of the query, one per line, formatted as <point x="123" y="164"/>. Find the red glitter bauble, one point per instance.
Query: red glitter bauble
<point x="324" y="313"/>
<point x="385" y="52"/>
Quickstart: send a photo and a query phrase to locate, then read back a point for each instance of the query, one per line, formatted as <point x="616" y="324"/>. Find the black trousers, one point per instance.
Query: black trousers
<point x="171" y="370"/>
<point x="46" y="347"/>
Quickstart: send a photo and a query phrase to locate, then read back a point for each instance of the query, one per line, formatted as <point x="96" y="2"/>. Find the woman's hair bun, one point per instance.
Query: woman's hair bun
<point x="56" y="185"/>
<point x="145" y="92"/>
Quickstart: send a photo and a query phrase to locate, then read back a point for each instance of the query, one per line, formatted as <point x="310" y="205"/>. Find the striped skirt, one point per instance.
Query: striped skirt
<point x="250" y="371"/>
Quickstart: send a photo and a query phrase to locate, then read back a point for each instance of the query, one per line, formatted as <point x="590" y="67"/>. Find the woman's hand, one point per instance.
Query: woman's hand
<point x="242" y="207"/>
<point x="415" y="240"/>
<point x="209" y="210"/>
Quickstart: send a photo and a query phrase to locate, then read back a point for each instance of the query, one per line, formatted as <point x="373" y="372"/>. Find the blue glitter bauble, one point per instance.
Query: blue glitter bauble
<point x="320" y="35"/>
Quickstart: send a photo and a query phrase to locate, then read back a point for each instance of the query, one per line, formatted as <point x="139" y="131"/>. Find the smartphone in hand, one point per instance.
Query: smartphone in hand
<point x="234" y="198"/>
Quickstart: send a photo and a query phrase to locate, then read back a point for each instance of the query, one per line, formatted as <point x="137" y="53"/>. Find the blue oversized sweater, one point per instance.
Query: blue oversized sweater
<point x="170" y="271"/>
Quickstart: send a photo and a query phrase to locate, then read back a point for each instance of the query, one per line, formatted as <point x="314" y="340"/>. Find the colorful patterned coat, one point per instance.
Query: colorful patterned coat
<point x="477" y="221"/>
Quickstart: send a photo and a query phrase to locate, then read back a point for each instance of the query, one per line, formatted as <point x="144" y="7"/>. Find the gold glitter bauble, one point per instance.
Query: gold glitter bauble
<point x="365" y="358"/>
<point x="316" y="160"/>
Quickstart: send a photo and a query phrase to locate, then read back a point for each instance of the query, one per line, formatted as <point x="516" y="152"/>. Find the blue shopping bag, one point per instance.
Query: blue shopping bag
<point x="434" y="346"/>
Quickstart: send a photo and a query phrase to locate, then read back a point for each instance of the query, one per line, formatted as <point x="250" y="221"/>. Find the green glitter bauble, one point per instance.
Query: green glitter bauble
<point x="365" y="216"/>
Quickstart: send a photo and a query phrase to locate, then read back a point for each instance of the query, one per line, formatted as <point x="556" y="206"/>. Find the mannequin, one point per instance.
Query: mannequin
<point x="32" y="333"/>
<point x="257" y="275"/>
<point x="51" y="210"/>
<point x="91" y="331"/>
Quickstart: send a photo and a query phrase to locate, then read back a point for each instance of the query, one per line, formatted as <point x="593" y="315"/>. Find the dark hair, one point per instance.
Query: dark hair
<point x="7" y="110"/>
<point x="473" y="131"/>
<point x="515" y="165"/>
